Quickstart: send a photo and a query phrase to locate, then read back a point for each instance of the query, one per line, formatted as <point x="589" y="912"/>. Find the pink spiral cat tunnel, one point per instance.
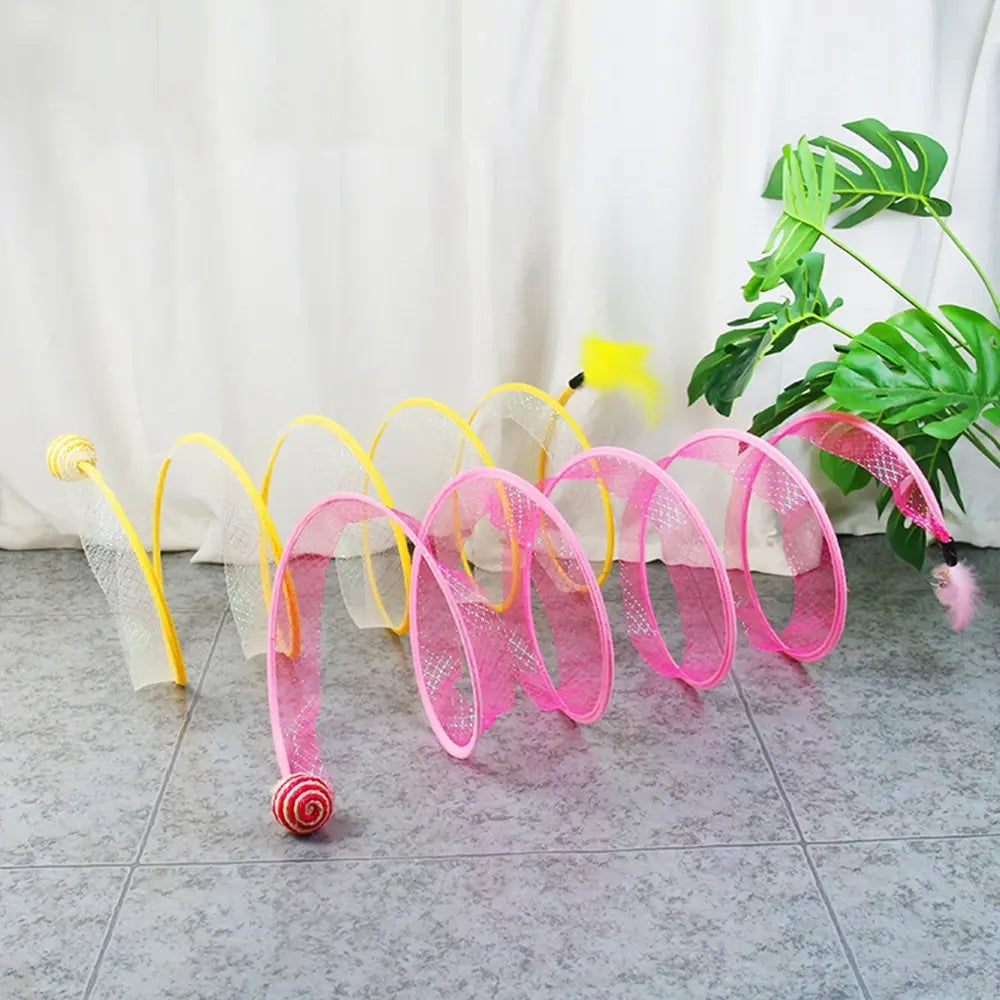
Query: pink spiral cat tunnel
<point x="492" y="555"/>
<point x="500" y="595"/>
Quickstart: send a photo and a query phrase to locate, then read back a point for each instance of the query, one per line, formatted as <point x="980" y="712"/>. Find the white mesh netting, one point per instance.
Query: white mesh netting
<point x="118" y="572"/>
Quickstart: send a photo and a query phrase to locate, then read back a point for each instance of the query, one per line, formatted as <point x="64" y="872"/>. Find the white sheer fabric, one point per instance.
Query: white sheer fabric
<point x="217" y="216"/>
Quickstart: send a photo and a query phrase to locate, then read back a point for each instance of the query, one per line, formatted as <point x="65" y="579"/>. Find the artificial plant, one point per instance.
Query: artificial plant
<point x="928" y="376"/>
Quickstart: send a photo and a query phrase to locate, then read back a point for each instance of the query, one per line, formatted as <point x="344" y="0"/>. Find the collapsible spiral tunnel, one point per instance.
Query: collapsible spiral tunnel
<point x="494" y="554"/>
<point x="468" y="656"/>
<point x="313" y="457"/>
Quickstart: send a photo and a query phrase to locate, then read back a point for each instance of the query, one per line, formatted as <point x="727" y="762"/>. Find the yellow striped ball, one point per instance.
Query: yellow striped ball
<point x="65" y="454"/>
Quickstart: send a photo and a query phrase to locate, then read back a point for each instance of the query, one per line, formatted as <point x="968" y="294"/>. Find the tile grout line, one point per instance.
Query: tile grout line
<point x="106" y="614"/>
<point x="902" y="839"/>
<point x="535" y="852"/>
<point x="803" y="846"/>
<point x="57" y="866"/>
<point x="832" y="913"/>
<point x="153" y="813"/>
<point x="540" y="852"/>
<point x="168" y="773"/>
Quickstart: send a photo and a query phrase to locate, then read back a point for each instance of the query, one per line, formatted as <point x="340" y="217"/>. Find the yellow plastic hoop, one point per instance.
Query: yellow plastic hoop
<point x="373" y="476"/>
<point x="269" y="534"/>
<point x="72" y="457"/>
<point x="153" y="582"/>
<point x="468" y="434"/>
<point x="558" y="409"/>
<point x="270" y="546"/>
<point x="543" y="455"/>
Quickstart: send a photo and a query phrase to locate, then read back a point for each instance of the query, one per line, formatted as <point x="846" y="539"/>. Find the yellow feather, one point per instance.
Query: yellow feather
<point x="613" y="367"/>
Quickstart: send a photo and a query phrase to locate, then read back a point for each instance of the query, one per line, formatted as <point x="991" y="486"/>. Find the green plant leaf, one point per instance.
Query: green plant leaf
<point x="933" y="455"/>
<point x="908" y="541"/>
<point x="993" y="415"/>
<point x="807" y="193"/>
<point x="983" y="338"/>
<point x="795" y="397"/>
<point x="944" y="463"/>
<point x="844" y="474"/>
<point x="953" y="426"/>
<point x="723" y="375"/>
<point x="863" y="188"/>
<point x="907" y="370"/>
<point x="883" y="500"/>
<point x="934" y="458"/>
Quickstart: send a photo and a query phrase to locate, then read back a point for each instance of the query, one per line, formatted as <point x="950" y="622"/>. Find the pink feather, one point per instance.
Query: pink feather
<point x="958" y="591"/>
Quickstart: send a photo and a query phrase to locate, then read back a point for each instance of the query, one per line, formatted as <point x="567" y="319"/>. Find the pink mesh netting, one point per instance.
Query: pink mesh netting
<point x="759" y="471"/>
<point x="554" y="638"/>
<point x="501" y="594"/>
<point x="647" y="499"/>
<point x="470" y="648"/>
<point x="863" y="443"/>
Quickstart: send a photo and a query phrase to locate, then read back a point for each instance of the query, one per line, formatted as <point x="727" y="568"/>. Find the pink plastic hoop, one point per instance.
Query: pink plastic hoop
<point x="808" y="539"/>
<point x="456" y="633"/>
<point x="860" y="441"/>
<point x="694" y="563"/>
<point x="294" y="687"/>
<point x="540" y="555"/>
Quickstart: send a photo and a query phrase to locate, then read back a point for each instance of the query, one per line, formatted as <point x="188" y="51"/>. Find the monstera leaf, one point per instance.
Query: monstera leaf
<point x="722" y="376"/>
<point x="807" y="195"/>
<point x="934" y="458"/>
<point x="863" y="188"/>
<point x="926" y="377"/>
<point x="844" y="474"/>
<point x="907" y="540"/>
<point x="795" y="397"/>
<point x="835" y="179"/>
<point x="933" y="455"/>
<point x="907" y="370"/>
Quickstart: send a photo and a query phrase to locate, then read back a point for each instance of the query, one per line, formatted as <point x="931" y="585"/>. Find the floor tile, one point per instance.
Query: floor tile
<point x="922" y="917"/>
<point x="869" y="558"/>
<point x="59" y="581"/>
<point x="687" y="924"/>
<point x="894" y="734"/>
<point x="665" y="766"/>
<point x="82" y="755"/>
<point x="873" y="570"/>
<point x="192" y="586"/>
<point x="52" y="923"/>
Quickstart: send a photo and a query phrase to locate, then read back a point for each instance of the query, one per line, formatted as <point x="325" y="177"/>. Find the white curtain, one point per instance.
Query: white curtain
<point x="219" y="215"/>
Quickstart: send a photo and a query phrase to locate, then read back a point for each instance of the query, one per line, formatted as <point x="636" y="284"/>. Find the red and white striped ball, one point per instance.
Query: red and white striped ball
<point x="302" y="803"/>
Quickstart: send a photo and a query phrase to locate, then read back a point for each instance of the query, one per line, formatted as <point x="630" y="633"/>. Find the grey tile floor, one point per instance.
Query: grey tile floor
<point x="830" y="831"/>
